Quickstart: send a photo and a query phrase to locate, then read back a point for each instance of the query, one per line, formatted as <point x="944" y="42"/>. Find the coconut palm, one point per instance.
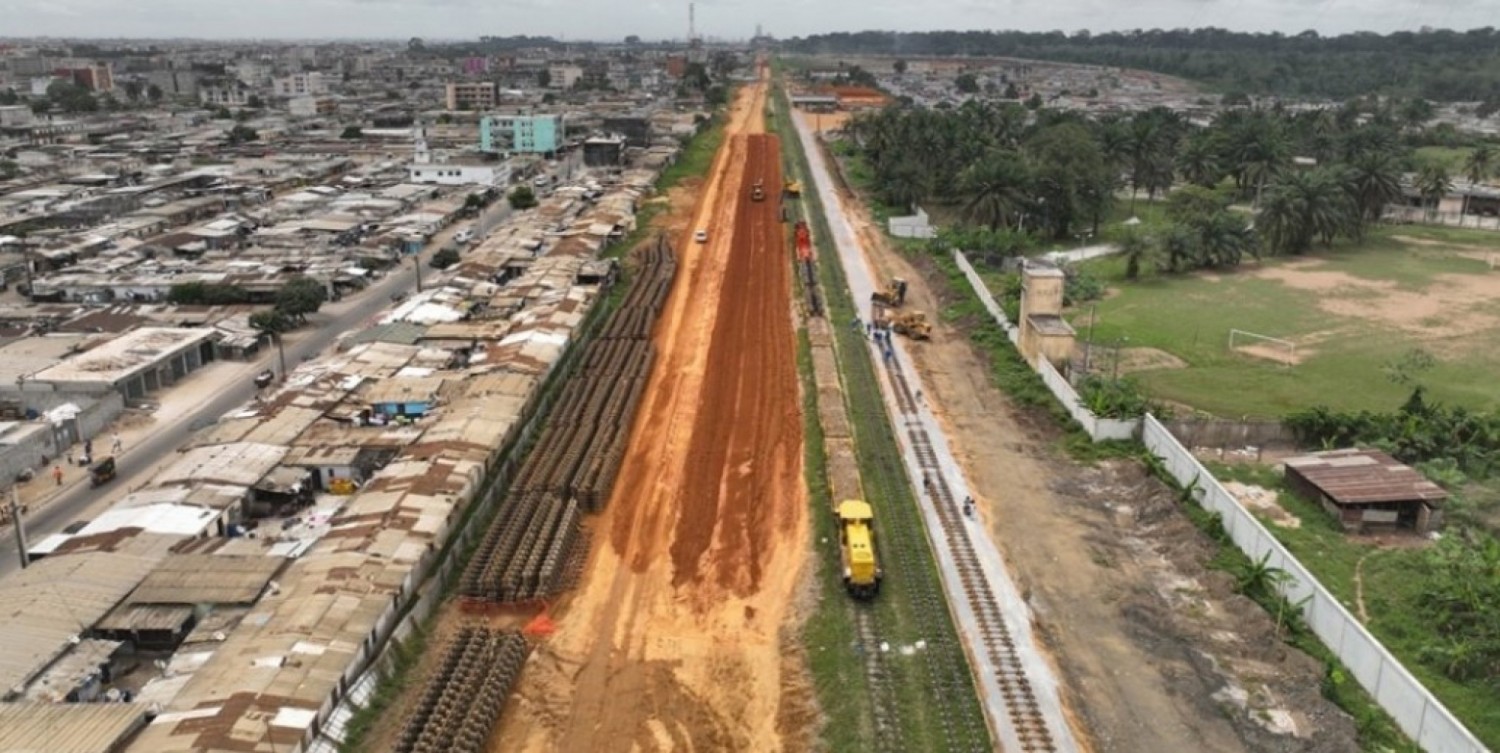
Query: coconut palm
<point x="1136" y="249"/>
<point x="1478" y="167"/>
<point x="1373" y="180"/>
<point x="1433" y="183"/>
<point x="1198" y="160"/>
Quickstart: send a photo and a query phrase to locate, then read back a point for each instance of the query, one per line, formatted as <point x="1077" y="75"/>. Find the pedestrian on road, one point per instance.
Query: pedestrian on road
<point x="57" y="474"/>
<point x="116" y="446"/>
<point x="88" y="447"/>
<point x="919" y="396"/>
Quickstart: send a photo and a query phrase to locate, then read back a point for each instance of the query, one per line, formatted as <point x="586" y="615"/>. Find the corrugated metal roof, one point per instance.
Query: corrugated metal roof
<point x="1358" y="477"/>
<point x="68" y="727"/>
<point x="207" y="579"/>
<point x="47" y="604"/>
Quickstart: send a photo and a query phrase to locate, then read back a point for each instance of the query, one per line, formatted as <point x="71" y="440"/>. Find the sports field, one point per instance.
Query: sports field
<point x="1348" y="313"/>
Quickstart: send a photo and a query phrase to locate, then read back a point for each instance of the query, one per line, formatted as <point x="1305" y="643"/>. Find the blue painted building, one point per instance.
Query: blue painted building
<point x="521" y="134"/>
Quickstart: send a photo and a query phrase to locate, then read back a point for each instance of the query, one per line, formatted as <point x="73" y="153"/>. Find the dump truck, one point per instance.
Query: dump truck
<point x="893" y="295"/>
<point x="758" y="191"/>
<point x="792" y="188"/>
<point x="861" y="567"/>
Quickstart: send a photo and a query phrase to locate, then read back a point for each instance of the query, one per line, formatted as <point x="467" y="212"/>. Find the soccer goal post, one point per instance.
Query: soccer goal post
<point x="1270" y="347"/>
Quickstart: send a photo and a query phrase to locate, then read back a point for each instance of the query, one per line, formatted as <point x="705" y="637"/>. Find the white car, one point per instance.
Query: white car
<point x="463" y="236"/>
<point x="701" y="236"/>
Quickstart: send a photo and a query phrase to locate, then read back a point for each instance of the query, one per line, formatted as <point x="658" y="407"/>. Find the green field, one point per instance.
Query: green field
<point x="1350" y="311"/>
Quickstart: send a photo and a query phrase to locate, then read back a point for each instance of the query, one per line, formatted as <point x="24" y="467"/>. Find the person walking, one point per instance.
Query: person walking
<point x="57" y="474"/>
<point x="116" y="446"/>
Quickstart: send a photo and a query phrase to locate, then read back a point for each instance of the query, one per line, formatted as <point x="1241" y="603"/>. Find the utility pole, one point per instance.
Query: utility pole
<point x="15" y="520"/>
<point x="417" y="265"/>
<point x="280" y="354"/>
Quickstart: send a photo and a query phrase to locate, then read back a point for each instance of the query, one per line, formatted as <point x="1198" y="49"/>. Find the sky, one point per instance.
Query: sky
<point x="731" y="19"/>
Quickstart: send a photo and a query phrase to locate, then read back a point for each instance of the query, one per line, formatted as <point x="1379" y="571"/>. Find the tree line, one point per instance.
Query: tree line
<point x="1442" y="64"/>
<point x="1251" y="182"/>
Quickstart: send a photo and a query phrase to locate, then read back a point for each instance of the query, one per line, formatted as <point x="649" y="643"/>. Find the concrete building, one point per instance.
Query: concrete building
<point x="134" y="364"/>
<point x="460" y="173"/>
<point x="96" y="77"/>
<point x="521" y="134"/>
<point x="230" y="94"/>
<point x="299" y="85"/>
<point x="470" y="95"/>
<point x="174" y="83"/>
<point x="309" y="106"/>
<point x="15" y="116"/>
<point x="604" y="151"/>
<point x="564" y="76"/>
<point x="1044" y="333"/>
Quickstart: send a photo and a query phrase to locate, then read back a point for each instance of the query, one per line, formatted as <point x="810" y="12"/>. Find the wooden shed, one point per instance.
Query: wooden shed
<point x="1368" y="490"/>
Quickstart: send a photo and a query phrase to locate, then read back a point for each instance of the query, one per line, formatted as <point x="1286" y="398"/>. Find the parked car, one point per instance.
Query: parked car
<point x="264" y="378"/>
<point x="463" y="236"/>
<point x="701" y="236"/>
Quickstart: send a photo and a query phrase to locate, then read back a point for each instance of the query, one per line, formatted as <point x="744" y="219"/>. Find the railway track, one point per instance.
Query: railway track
<point x="1025" y="714"/>
<point x="938" y="666"/>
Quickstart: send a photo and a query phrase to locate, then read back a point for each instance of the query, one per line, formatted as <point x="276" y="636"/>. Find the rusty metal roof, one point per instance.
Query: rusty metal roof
<point x="1361" y="477"/>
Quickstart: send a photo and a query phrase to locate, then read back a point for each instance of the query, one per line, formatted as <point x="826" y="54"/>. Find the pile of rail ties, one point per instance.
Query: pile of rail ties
<point x="536" y="535"/>
<point x="461" y="701"/>
<point x="533" y="548"/>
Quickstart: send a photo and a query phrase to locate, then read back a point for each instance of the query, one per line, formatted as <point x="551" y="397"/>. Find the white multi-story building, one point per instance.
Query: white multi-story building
<point x="249" y="72"/>
<point x="300" y="85"/>
<point x="564" y="76"/>
<point x="232" y="94"/>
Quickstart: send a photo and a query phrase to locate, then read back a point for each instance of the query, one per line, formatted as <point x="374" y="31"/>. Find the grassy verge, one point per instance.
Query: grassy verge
<point x="696" y="159"/>
<point x="1392" y="588"/>
<point x="837" y="670"/>
<point x="889" y="492"/>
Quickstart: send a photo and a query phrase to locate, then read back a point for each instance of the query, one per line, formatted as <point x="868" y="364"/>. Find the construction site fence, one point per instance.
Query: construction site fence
<point x="1420" y="714"/>
<point x="428" y="583"/>
<point x="1099" y="429"/>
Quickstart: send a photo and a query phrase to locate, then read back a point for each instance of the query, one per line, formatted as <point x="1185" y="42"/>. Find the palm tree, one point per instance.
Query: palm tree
<point x="1303" y="206"/>
<point x="994" y="191"/>
<point x="1260" y="150"/>
<point x="1373" y="180"/>
<point x="1198" y="160"/>
<point x="1433" y="183"/>
<point x="1136" y="249"/>
<point x="1478" y="168"/>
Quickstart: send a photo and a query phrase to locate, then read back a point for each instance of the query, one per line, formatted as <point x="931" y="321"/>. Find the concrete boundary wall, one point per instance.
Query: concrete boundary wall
<point x="1099" y="429"/>
<point x="1419" y="714"/>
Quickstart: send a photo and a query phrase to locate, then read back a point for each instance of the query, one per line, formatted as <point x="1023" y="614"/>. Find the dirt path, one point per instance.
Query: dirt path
<point x="1140" y="675"/>
<point x="674" y="641"/>
<point x="1359" y="588"/>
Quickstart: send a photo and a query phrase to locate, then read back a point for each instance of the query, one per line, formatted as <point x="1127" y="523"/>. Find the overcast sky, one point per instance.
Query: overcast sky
<point x="656" y="19"/>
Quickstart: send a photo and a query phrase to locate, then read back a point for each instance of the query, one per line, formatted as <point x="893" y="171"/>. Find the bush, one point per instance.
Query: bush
<point x="522" y="198"/>
<point x="444" y="259"/>
<point x="1114" y="398"/>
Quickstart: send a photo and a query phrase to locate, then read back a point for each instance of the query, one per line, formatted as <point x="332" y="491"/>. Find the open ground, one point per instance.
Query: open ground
<point x="674" y="640"/>
<point x="1350" y="312"/>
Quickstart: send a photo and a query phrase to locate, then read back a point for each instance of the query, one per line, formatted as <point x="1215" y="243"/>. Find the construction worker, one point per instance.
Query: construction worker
<point x="57" y="474"/>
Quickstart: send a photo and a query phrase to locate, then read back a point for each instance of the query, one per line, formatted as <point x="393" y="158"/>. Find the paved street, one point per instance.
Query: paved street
<point x="137" y="463"/>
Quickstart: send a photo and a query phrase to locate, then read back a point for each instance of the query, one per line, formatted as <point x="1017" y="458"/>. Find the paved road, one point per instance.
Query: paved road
<point x="138" y="463"/>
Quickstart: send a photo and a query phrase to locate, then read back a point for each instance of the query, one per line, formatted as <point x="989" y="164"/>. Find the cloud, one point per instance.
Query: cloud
<point x="658" y="19"/>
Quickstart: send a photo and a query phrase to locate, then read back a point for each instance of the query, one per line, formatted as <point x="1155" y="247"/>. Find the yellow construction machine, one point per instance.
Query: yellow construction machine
<point x="913" y="324"/>
<point x="792" y="188"/>
<point x="893" y="295"/>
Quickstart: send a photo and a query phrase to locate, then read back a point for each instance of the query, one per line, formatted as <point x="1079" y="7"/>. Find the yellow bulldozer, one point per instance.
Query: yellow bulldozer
<point x="913" y="324"/>
<point x="894" y="294"/>
<point x="792" y="188"/>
